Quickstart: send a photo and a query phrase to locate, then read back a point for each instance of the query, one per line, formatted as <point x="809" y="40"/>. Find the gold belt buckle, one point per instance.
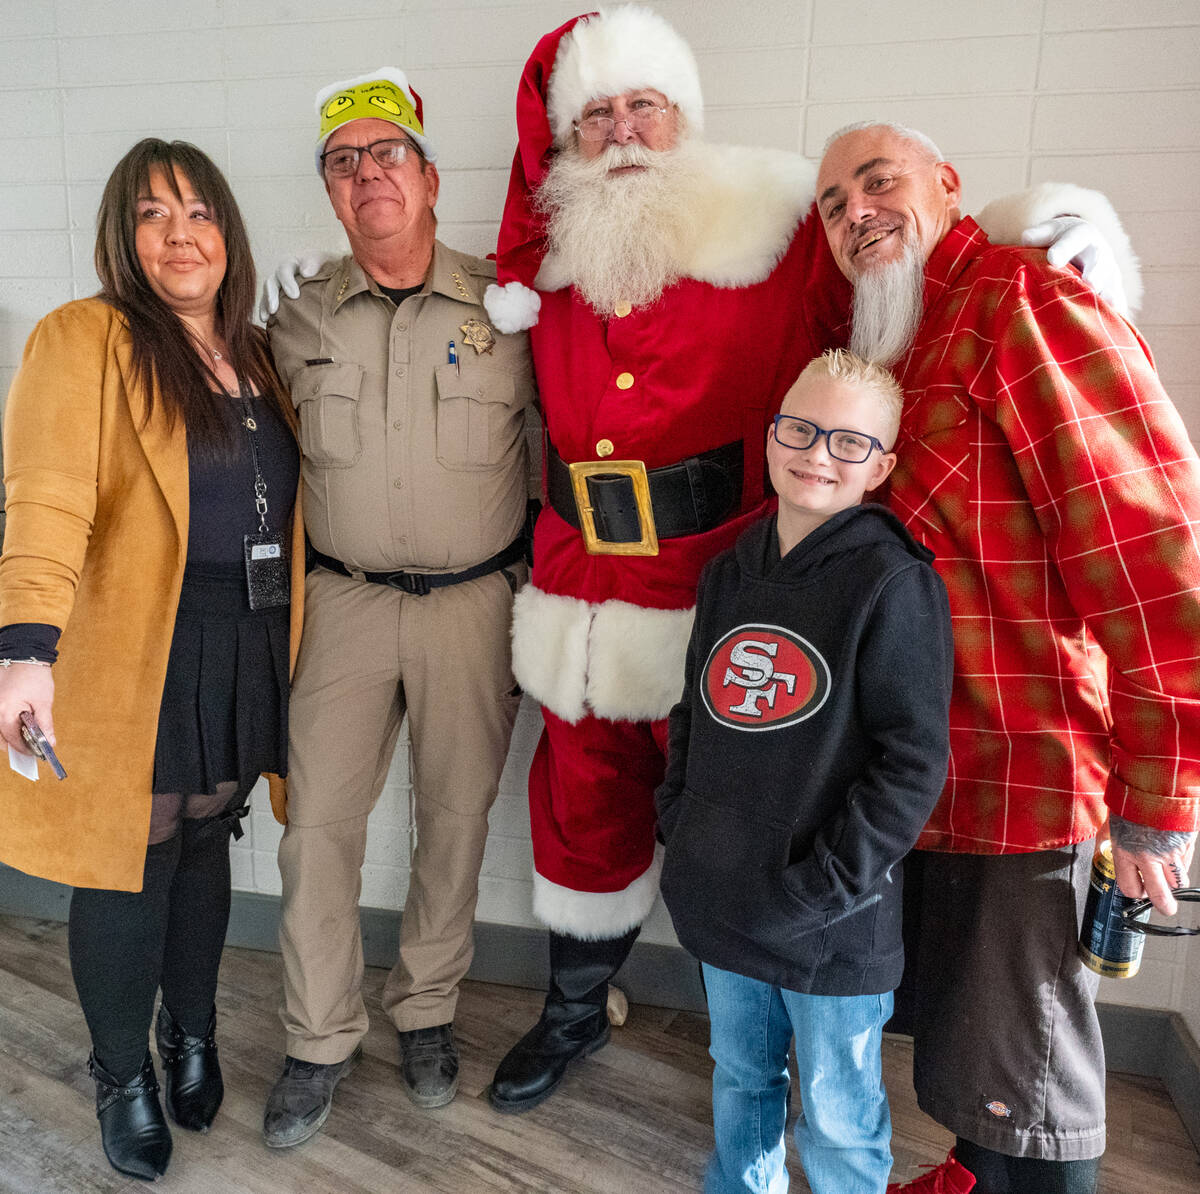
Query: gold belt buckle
<point x="635" y="470"/>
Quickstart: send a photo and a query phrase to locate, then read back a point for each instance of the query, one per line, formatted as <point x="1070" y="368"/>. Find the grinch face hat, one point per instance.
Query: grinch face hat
<point x="590" y="57"/>
<point x="384" y="94"/>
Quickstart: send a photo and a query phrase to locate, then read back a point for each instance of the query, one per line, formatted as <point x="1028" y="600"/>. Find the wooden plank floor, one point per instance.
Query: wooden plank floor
<point x="634" y="1119"/>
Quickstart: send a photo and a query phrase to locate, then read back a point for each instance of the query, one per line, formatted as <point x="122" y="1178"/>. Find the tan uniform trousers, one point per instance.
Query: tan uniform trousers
<point x="369" y="654"/>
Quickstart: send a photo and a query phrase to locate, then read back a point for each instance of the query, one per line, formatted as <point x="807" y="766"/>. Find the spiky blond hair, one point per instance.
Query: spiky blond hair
<point x="840" y="364"/>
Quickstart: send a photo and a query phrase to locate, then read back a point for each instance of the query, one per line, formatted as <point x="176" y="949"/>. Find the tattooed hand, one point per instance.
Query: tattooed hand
<point x="1151" y="862"/>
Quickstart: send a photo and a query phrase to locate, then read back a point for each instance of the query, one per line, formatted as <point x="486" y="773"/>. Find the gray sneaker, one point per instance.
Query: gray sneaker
<point x="429" y="1065"/>
<point x="301" y="1098"/>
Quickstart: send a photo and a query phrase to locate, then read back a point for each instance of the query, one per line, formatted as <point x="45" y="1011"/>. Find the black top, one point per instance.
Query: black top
<point x="399" y="293"/>
<point x="809" y="749"/>
<point x="221" y="488"/>
<point x="29" y="640"/>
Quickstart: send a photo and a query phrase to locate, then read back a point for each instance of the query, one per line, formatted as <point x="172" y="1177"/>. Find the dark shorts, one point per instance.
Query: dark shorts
<point x="1007" y="1047"/>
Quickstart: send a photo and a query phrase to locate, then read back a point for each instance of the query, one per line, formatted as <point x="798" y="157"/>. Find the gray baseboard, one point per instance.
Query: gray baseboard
<point x="1143" y="1041"/>
<point x="659" y="975"/>
<point x="1156" y="1044"/>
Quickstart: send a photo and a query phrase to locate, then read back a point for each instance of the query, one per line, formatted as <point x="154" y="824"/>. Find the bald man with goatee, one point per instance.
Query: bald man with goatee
<point x="1042" y="463"/>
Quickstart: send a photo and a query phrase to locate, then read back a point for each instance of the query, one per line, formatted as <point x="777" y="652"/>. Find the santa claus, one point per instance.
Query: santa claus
<point x="674" y="289"/>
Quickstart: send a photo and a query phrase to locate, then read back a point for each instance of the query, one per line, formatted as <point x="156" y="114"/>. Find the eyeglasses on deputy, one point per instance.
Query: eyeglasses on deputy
<point x="851" y="447"/>
<point x="388" y="155"/>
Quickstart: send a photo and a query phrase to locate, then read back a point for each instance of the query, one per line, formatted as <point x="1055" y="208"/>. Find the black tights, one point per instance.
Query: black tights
<point x="996" y="1173"/>
<point x="125" y="945"/>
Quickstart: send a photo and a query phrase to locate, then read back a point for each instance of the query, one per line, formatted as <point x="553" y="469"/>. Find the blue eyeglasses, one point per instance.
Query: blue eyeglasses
<point x="852" y="447"/>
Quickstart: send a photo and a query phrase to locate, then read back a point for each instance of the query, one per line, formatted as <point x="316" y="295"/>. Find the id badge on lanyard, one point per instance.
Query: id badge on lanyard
<point x="267" y="572"/>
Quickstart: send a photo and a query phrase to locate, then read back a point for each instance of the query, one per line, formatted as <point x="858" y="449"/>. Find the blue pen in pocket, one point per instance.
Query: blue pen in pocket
<point x="452" y="358"/>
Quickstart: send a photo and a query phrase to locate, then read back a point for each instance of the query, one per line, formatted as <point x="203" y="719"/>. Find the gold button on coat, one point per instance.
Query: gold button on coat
<point x="622" y="308"/>
<point x="604" y="447"/>
<point x="624" y="381"/>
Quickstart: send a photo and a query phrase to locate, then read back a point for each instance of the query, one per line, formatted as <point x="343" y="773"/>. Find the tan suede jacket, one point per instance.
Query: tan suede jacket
<point x="95" y="542"/>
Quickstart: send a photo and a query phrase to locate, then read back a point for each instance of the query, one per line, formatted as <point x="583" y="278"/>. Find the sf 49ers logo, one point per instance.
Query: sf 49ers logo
<point x="764" y="678"/>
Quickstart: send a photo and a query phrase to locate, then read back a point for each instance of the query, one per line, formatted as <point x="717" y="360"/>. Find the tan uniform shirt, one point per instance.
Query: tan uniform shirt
<point x="409" y="461"/>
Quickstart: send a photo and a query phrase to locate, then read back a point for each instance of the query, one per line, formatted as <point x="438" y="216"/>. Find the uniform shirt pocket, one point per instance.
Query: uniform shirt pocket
<point x="477" y="425"/>
<point x="326" y="398"/>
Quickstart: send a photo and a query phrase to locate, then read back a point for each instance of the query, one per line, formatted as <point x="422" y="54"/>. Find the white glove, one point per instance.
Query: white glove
<point x="1068" y="240"/>
<point x="285" y="279"/>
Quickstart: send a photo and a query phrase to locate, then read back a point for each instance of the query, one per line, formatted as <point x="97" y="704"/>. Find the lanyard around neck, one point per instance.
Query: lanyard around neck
<point x="251" y="425"/>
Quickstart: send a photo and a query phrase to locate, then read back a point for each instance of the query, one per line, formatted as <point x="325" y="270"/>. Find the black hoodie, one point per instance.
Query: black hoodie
<point x="807" y="753"/>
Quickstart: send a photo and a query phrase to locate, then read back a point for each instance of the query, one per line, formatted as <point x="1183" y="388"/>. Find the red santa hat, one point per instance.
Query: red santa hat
<point x="590" y="57"/>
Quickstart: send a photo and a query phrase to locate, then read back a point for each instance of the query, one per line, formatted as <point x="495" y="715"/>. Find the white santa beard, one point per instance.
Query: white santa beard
<point x="623" y="237"/>
<point x="888" y="304"/>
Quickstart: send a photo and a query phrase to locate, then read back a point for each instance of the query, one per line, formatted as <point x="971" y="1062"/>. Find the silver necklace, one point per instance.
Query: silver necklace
<point x="208" y="348"/>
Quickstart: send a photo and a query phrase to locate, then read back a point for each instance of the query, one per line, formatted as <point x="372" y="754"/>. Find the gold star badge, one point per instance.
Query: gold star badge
<point x="478" y="335"/>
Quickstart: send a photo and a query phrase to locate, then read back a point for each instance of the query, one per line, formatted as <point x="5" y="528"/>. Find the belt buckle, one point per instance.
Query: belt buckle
<point x="635" y="470"/>
<point x="415" y="584"/>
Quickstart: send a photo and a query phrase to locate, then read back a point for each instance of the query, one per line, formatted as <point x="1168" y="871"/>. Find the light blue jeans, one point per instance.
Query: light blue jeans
<point x="844" y="1128"/>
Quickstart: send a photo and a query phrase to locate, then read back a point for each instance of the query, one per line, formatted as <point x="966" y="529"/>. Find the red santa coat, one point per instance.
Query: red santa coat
<point x="709" y="363"/>
<point x="600" y="640"/>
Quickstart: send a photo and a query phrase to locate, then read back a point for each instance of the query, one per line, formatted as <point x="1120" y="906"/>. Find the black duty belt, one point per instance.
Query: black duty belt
<point x="419" y="583"/>
<point x="623" y="508"/>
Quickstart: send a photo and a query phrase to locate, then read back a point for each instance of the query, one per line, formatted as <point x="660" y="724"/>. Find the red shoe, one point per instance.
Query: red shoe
<point x="947" y="1178"/>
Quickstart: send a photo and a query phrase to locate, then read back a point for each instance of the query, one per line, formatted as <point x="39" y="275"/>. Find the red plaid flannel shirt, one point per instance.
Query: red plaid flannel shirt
<point x="1040" y="458"/>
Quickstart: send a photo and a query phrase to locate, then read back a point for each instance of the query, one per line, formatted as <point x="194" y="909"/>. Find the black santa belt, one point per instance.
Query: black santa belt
<point x="623" y="508"/>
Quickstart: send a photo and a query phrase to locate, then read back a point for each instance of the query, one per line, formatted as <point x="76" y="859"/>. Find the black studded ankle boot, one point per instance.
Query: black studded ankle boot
<point x="133" y="1131"/>
<point x="191" y="1071"/>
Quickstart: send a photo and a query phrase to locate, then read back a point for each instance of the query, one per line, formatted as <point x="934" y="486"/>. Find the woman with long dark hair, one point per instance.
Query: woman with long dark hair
<point x="151" y="547"/>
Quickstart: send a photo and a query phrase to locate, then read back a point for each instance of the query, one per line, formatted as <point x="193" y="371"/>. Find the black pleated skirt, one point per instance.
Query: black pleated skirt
<point x="225" y="699"/>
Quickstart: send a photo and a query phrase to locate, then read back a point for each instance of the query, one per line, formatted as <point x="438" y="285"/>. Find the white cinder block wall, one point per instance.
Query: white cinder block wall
<point x="1097" y="92"/>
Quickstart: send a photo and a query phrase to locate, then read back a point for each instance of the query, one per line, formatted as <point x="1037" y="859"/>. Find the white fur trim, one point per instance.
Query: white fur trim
<point x="741" y="225"/>
<point x="756" y="198"/>
<point x="619" y="661"/>
<point x="512" y="307"/>
<point x="550" y="650"/>
<point x="596" y="915"/>
<point x="636" y="660"/>
<point x="618" y="50"/>
<point x="1004" y="220"/>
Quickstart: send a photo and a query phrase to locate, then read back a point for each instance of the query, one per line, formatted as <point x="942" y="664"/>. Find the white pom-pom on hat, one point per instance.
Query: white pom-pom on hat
<point x="512" y="307"/>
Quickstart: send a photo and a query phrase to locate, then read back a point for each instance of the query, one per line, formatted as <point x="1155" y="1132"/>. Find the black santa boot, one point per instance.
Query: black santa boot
<point x="574" y="1021"/>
